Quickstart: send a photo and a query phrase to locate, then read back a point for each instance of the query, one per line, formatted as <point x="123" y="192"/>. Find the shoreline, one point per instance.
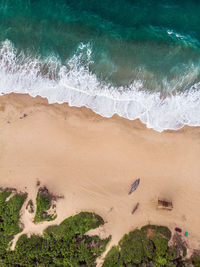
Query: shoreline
<point x="157" y="110"/>
<point x="92" y="161"/>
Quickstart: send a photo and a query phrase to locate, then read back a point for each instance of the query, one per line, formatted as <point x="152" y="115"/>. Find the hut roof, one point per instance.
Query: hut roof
<point x="165" y="204"/>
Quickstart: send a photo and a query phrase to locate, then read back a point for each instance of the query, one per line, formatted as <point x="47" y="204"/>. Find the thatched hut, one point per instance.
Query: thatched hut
<point x="164" y="204"/>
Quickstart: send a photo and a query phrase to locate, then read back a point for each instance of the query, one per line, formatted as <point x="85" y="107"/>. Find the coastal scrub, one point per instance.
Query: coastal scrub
<point x="149" y="247"/>
<point x="30" y="206"/>
<point x="61" y="245"/>
<point x="9" y="218"/>
<point x="44" y="203"/>
<point x="68" y="244"/>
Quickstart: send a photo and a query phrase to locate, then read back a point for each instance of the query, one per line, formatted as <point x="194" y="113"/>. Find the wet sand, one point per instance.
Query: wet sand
<point x="92" y="161"/>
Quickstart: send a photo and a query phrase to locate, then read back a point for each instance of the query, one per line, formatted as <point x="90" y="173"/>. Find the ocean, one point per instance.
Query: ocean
<point x="138" y="59"/>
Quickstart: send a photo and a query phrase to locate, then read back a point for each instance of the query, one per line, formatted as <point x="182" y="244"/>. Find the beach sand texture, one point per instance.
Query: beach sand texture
<point x="92" y="161"/>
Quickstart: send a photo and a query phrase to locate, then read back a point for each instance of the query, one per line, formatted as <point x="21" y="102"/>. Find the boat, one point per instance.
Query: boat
<point x="135" y="208"/>
<point x="134" y="186"/>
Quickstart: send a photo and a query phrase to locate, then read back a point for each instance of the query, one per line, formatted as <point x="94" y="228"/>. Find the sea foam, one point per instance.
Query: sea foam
<point x="75" y="84"/>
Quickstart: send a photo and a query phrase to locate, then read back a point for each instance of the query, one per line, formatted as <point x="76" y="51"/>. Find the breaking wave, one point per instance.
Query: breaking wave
<point x="75" y="84"/>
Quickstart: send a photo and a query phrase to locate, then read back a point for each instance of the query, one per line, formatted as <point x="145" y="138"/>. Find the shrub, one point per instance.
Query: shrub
<point x="113" y="258"/>
<point x="61" y="245"/>
<point x="30" y="206"/>
<point x="9" y="218"/>
<point x="146" y="247"/>
<point x="43" y="203"/>
<point x="132" y="248"/>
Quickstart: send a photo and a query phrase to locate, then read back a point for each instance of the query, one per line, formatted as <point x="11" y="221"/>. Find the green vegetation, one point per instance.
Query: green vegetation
<point x="61" y="245"/>
<point x="30" y="206"/>
<point x="195" y="259"/>
<point x="149" y="247"/>
<point x="44" y="203"/>
<point x="9" y="218"/>
<point x="68" y="244"/>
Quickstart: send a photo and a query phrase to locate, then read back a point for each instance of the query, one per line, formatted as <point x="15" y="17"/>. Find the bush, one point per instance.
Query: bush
<point x="78" y="224"/>
<point x="9" y="218"/>
<point x="132" y="248"/>
<point x="43" y="203"/>
<point x="146" y="247"/>
<point x="113" y="258"/>
<point x="195" y="259"/>
<point x="30" y="206"/>
<point x="61" y="245"/>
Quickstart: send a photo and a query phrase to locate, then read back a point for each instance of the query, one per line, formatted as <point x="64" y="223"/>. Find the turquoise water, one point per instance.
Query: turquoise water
<point x="139" y="59"/>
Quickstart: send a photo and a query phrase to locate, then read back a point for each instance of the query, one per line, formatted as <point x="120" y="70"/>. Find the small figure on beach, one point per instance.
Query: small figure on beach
<point x="25" y="115"/>
<point x="134" y="186"/>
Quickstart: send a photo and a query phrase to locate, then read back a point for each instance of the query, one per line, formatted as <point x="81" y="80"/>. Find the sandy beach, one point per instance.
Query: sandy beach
<point x="92" y="161"/>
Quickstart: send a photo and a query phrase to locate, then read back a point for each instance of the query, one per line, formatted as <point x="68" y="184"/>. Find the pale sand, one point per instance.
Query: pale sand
<point x="92" y="161"/>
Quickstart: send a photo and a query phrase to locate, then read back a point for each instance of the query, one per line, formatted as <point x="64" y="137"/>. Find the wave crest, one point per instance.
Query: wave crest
<point x="77" y="86"/>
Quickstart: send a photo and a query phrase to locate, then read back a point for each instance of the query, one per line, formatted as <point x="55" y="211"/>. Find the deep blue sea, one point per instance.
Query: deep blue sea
<point x="139" y="59"/>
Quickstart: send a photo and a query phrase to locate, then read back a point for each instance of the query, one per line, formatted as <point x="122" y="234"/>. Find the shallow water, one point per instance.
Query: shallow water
<point x="139" y="59"/>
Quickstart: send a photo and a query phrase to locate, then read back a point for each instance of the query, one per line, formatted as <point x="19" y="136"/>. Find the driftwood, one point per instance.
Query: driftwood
<point x="135" y="208"/>
<point x="134" y="186"/>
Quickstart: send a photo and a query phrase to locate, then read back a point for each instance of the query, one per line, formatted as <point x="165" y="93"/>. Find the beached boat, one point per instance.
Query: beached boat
<point x="135" y="208"/>
<point x="134" y="186"/>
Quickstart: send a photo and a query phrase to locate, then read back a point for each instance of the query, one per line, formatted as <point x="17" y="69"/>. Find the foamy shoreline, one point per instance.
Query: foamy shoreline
<point x="79" y="87"/>
<point x="92" y="161"/>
